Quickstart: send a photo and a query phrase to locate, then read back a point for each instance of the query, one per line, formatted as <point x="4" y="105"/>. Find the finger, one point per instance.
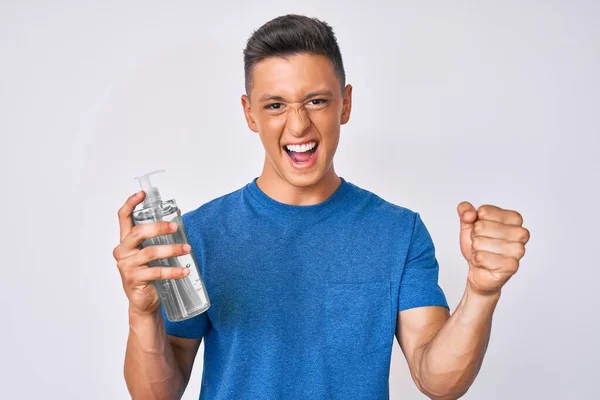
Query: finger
<point x="494" y="213"/>
<point x="494" y="262"/>
<point x="467" y="214"/>
<point x="120" y="253"/>
<point x="139" y="233"/>
<point x="161" y="273"/>
<point x="498" y="230"/>
<point x="498" y="246"/>
<point x="156" y="252"/>
<point x="124" y="214"/>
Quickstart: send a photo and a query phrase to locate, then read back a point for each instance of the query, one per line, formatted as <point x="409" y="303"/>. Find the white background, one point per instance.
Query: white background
<point x="491" y="102"/>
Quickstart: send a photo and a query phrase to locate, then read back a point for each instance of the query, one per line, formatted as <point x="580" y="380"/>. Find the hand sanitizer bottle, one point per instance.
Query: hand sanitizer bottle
<point x="185" y="297"/>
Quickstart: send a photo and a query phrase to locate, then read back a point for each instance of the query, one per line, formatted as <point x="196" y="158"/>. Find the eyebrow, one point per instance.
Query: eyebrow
<point x="268" y="97"/>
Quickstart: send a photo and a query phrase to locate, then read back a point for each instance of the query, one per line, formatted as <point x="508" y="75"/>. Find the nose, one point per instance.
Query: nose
<point x="297" y="121"/>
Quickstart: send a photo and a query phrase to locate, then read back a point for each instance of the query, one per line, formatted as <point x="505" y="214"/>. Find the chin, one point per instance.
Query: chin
<point x="302" y="180"/>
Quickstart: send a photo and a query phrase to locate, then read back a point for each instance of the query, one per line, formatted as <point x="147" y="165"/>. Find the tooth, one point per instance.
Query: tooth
<point x="297" y="148"/>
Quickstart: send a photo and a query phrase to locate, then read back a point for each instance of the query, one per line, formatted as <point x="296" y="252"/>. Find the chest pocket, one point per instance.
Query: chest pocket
<point x="358" y="317"/>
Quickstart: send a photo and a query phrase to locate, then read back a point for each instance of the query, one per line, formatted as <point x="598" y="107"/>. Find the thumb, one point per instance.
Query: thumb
<point x="467" y="215"/>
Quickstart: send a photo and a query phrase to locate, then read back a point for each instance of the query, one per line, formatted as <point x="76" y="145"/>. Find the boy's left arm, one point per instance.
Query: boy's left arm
<point x="445" y="352"/>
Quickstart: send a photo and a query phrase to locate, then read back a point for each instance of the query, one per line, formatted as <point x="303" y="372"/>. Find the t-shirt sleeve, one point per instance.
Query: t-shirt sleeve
<point x="419" y="282"/>
<point x="191" y="328"/>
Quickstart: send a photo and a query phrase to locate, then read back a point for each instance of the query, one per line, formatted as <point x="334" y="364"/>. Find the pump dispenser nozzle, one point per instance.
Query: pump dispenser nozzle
<point x="152" y="193"/>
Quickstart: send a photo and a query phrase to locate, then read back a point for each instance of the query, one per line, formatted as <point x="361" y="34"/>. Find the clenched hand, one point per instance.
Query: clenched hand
<point x="492" y="240"/>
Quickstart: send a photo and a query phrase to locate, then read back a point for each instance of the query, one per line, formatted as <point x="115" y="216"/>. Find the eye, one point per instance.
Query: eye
<point x="317" y="103"/>
<point x="274" y="106"/>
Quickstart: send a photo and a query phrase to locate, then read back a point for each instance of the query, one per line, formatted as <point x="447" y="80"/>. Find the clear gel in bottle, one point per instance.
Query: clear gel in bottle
<point x="185" y="297"/>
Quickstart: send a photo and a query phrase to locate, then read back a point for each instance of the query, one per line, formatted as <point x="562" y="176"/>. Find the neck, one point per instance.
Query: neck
<point x="277" y="188"/>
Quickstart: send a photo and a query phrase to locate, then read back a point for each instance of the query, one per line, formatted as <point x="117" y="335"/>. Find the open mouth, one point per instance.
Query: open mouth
<point x="301" y="153"/>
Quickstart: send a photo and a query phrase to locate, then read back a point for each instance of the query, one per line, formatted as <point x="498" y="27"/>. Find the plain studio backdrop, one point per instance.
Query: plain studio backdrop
<point x="490" y="102"/>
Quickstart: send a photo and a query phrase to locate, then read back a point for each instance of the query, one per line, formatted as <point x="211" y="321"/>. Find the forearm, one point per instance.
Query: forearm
<point x="449" y="363"/>
<point x="151" y="371"/>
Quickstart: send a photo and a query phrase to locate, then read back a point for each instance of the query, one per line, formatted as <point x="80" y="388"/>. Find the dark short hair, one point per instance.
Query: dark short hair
<point x="289" y="35"/>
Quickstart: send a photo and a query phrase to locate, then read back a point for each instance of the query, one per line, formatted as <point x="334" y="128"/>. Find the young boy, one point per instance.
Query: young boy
<point x="310" y="277"/>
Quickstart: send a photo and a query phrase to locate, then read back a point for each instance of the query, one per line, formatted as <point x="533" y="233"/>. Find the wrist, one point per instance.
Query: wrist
<point x="136" y="316"/>
<point x="481" y="297"/>
<point x="476" y="306"/>
<point x="148" y="331"/>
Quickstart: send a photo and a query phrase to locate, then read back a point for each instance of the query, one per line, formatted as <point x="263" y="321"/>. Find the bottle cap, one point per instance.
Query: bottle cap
<point x="152" y="193"/>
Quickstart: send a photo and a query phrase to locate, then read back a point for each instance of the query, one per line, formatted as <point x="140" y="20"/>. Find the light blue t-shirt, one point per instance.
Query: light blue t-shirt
<point x="304" y="299"/>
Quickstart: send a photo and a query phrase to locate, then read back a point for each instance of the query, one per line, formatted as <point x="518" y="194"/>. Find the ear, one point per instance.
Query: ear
<point x="346" y="105"/>
<point x="248" y="114"/>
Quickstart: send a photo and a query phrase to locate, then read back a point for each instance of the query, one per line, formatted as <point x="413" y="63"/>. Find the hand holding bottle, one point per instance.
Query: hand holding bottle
<point x="132" y="261"/>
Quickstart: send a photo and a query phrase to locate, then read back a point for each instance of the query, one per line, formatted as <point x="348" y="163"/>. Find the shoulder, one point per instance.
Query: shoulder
<point x="213" y="210"/>
<point x="381" y="208"/>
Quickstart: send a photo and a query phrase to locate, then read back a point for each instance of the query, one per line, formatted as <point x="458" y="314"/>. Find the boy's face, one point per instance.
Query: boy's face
<point x="297" y="101"/>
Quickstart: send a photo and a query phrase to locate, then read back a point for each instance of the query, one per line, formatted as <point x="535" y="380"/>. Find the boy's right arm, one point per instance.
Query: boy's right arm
<point x="157" y="365"/>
